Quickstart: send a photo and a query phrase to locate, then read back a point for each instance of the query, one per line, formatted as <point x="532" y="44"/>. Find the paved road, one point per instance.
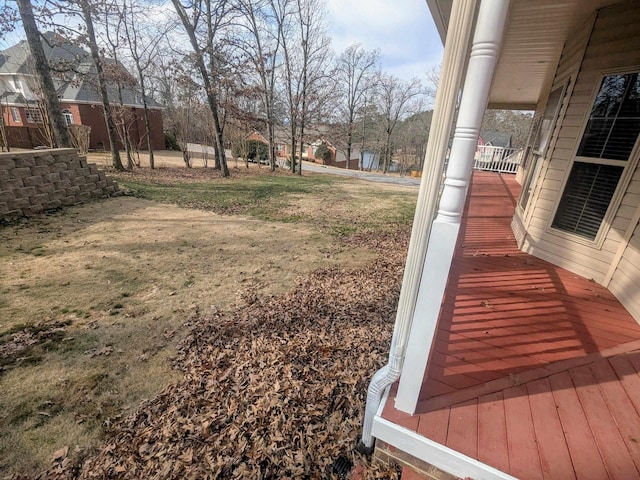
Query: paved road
<point x="369" y="176"/>
<point x="393" y="179"/>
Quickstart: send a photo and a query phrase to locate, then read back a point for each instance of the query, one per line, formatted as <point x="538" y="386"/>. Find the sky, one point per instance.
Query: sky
<point x="402" y="30"/>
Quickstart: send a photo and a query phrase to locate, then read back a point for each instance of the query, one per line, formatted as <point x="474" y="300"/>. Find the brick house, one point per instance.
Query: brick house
<point x="78" y="93"/>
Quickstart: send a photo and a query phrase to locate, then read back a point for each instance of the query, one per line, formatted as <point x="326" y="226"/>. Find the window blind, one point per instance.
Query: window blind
<point x="586" y="198"/>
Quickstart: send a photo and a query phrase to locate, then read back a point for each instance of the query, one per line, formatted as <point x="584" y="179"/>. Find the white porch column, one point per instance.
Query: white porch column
<point x="444" y="231"/>
<point x="451" y="72"/>
<point x="453" y="63"/>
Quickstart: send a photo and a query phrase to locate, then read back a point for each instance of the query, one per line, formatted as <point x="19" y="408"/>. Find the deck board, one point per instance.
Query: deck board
<point x="616" y="457"/>
<point x="462" y="434"/>
<point x="620" y="406"/>
<point x="434" y="425"/>
<point x="629" y="380"/>
<point x="584" y="452"/>
<point x="524" y="461"/>
<point x="492" y="431"/>
<point x="535" y="370"/>
<point x="552" y="447"/>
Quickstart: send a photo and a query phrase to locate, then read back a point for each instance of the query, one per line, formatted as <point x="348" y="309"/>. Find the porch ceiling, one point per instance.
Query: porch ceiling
<point x="534" y="37"/>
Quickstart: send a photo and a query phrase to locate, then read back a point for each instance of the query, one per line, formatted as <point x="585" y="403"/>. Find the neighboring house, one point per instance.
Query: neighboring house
<point x="258" y="137"/>
<point x="494" y="139"/>
<point x="78" y="93"/>
<point x="283" y="145"/>
<point x="370" y="160"/>
<point x="516" y="349"/>
<point x="340" y="158"/>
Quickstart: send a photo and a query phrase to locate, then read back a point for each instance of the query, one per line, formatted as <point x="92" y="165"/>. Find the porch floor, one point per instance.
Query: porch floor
<point x="535" y="370"/>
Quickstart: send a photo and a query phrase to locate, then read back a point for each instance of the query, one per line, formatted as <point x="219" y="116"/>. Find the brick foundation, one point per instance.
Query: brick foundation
<point x="38" y="180"/>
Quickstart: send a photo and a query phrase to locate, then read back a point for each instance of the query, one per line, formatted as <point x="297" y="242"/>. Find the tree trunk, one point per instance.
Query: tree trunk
<point x="301" y="145"/>
<point x="293" y="151"/>
<point x="212" y="98"/>
<point x="349" y="144"/>
<point x="56" y="119"/>
<point x="3" y="131"/>
<point x="272" y="153"/>
<point x="147" y="123"/>
<point x="95" y="54"/>
<point x="125" y="131"/>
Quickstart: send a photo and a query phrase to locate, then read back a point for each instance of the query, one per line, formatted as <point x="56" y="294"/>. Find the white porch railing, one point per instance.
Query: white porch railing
<point x="497" y="159"/>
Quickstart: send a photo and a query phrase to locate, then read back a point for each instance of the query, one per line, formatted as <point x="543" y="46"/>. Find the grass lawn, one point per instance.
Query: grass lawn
<point x="96" y="299"/>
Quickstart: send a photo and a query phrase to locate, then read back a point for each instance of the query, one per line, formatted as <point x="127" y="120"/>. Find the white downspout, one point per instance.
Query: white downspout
<point x="453" y="64"/>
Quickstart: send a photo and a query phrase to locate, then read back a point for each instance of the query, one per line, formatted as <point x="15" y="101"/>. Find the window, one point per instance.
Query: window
<point x="34" y="115"/>
<point x="606" y="145"/>
<point x="15" y="115"/>
<point x="548" y="121"/>
<point x="542" y="129"/>
<point x="68" y="117"/>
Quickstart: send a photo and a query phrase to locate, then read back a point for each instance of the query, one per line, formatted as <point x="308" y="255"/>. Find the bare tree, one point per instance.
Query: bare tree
<point x="514" y="123"/>
<point x="54" y="113"/>
<point x="204" y="21"/>
<point x="314" y="53"/>
<point x="395" y="98"/>
<point x="115" y="74"/>
<point x="261" y="43"/>
<point x="87" y="12"/>
<point x="143" y="43"/>
<point x="356" y="73"/>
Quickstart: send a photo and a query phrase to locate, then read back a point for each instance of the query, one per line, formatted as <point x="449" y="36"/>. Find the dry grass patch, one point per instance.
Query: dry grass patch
<point x="94" y="298"/>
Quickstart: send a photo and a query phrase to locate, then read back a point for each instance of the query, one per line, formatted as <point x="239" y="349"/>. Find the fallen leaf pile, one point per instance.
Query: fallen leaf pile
<point x="272" y="390"/>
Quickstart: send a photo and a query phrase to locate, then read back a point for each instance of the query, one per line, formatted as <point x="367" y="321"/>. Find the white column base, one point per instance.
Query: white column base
<point x="442" y="244"/>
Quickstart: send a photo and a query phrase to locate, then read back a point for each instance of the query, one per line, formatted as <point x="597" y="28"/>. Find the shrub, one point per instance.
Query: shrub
<point x="170" y="142"/>
<point x="257" y="150"/>
<point x="323" y="153"/>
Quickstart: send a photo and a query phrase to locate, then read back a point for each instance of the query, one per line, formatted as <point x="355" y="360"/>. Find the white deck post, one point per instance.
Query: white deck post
<point x="444" y="231"/>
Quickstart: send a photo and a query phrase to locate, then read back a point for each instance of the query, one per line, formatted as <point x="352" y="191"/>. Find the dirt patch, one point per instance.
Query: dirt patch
<point x="97" y="296"/>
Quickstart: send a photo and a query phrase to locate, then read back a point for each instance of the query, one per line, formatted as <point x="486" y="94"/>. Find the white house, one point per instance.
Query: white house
<point x="516" y="349"/>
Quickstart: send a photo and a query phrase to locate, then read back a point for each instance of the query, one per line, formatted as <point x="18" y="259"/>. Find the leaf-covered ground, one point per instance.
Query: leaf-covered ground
<point x="272" y="390"/>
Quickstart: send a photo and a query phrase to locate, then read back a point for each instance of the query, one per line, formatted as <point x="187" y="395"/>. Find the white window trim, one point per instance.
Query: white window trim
<point x="68" y="114"/>
<point x="567" y="90"/>
<point x="15" y="115"/>
<point x="623" y="183"/>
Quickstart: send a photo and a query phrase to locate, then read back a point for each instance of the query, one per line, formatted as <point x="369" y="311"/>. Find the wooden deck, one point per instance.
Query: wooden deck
<point x="535" y="370"/>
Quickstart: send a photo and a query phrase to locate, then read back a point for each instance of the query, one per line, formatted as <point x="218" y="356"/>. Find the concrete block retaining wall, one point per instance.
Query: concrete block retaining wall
<point x="38" y="180"/>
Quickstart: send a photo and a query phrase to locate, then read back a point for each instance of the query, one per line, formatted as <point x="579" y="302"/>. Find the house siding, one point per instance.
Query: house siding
<point x="625" y="280"/>
<point x="93" y="116"/>
<point x="549" y="178"/>
<point x="613" y="43"/>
